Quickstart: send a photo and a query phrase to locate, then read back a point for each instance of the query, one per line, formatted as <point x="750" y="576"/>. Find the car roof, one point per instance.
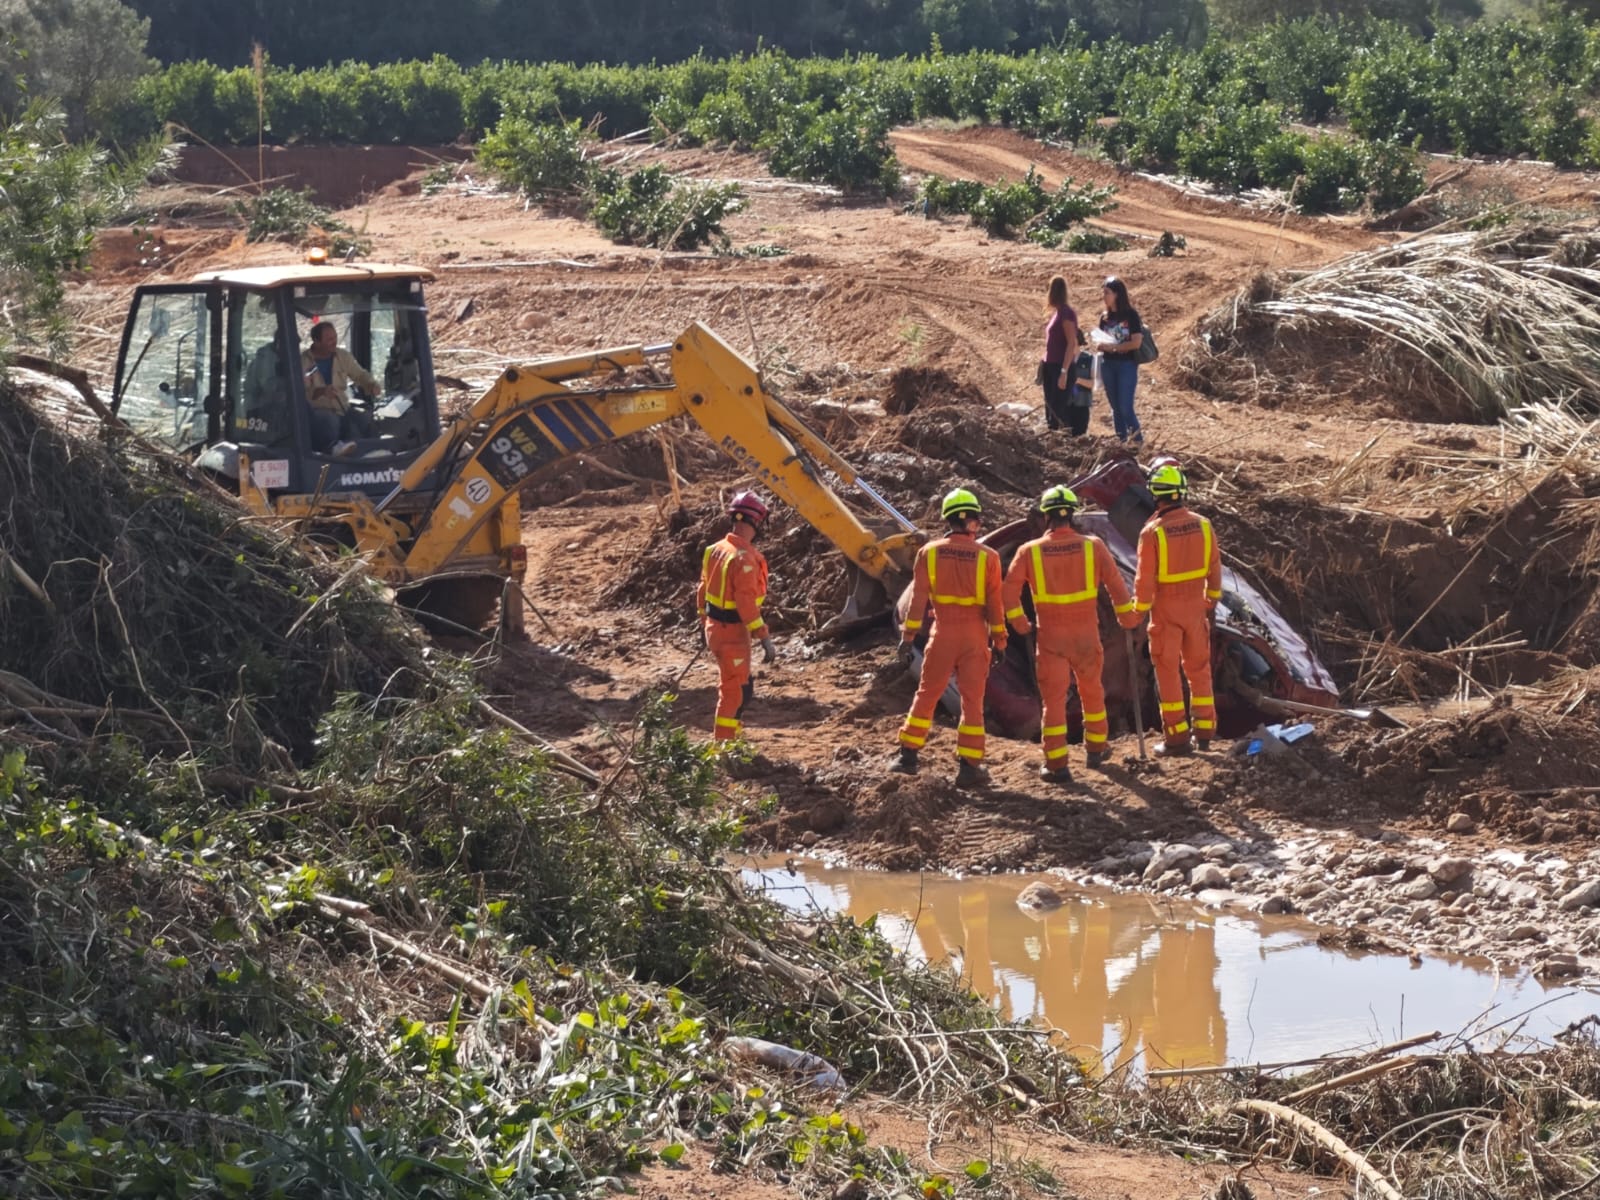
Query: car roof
<point x="312" y="274"/>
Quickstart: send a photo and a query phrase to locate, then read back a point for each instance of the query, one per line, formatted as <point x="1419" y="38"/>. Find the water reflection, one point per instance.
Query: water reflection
<point x="1136" y="980"/>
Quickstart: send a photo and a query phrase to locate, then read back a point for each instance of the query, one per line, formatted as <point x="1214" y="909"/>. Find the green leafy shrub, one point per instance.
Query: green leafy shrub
<point x="1391" y="174"/>
<point x="650" y="208"/>
<point x="286" y="215"/>
<point x="938" y="196"/>
<point x="542" y="161"/>
<point x="1004" y="209"/>
<point x="1331" y="179"/>
<point x="848" y="149"/>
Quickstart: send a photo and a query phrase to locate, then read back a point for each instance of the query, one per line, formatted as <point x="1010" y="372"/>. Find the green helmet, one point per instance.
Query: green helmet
<point x="1059" y="499"/>
<point x="960" y="503"/>
<point x="1167" y="482"/>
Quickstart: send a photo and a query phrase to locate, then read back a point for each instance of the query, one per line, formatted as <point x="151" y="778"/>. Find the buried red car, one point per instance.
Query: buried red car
<point x="1256" y="656"/>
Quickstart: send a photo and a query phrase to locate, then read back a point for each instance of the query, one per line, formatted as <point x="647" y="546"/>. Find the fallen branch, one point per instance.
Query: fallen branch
<point x="1371" y="1070"/>
<point x="1325" y="1138"/>
<point x="559" y="758"/>
<point x="342" y="911"/>
<point x="1321" y="1060"/>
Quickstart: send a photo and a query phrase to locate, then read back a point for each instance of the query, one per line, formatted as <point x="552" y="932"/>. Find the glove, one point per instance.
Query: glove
<point x="768" y="650"/>
<point x="997" y="655"/>
<point x="902" y="654"/>
<point x="1022" y="625"/>
<point x="1129" y="620"/>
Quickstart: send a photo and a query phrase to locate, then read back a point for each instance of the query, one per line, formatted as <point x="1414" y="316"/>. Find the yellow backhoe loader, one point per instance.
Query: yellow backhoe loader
<point x="221" y="367"/>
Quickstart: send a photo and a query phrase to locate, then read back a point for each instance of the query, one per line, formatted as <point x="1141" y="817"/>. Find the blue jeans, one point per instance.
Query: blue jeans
<point x="1120" y="377"/>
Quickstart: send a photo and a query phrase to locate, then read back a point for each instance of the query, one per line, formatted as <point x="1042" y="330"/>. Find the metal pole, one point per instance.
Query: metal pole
<point x="1133" y="680"/>
<point x="885" y="505"/>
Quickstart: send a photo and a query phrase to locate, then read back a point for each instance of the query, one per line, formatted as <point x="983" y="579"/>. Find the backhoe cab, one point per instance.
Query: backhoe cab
<point x="220" y="367"/>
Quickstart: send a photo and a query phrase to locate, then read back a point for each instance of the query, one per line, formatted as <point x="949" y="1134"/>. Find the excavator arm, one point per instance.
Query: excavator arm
<point x="535" y="416"/>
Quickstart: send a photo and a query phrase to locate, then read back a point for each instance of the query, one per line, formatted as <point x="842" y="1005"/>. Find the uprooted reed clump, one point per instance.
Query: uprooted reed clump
<point x="1460" y="326"/>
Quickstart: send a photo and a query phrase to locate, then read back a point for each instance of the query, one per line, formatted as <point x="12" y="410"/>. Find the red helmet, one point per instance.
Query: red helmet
<point x="750" y="507"/>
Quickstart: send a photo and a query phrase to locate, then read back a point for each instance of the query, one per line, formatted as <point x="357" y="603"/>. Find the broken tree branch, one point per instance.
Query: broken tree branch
<point x="1325" y="1138"/>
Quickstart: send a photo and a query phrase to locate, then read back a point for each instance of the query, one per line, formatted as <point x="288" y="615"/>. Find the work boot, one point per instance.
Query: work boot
<point x="1061" y="774"/>
<point x="1202" y="744"/>
<point x="1099" y="759"/>
<point x="1174" y="749"/>
<point x="970" y="774"/>
<point x="906" y="763"/>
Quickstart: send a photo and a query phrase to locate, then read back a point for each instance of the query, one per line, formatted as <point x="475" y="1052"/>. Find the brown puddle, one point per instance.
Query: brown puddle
<point x="1136" y="980"/>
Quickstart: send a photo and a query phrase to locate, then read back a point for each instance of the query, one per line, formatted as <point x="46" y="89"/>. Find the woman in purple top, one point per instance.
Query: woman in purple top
<point x="1055" y="371"/>
<point x="1119" y="358"/>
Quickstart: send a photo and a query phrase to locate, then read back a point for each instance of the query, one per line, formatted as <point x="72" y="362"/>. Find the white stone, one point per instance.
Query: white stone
<point x="1207" y="875"/>
<point x="1420" y="888"/>
<point x="1581" y="896"/>
<point x="1460" y="823"/>
<point x="1448" y="870"/>
<point x="1180" y="856"/>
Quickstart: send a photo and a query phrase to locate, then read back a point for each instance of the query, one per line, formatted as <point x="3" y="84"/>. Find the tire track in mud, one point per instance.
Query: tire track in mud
<point x="1143" y="206"/>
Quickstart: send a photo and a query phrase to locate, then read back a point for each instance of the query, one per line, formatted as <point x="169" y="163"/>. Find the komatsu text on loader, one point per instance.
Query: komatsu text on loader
<point x="214" y="366"/>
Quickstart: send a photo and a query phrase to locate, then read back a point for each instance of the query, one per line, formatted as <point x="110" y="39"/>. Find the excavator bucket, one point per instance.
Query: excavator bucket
<point x="1256" y="655"/>
<point x="868" y="603"/>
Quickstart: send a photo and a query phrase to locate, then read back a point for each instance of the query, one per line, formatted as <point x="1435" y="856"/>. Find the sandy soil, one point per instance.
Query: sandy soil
<point x="1463" y="832"/>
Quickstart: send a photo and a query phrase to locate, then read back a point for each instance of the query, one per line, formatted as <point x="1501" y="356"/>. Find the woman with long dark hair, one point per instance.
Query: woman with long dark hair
<point x="1055" y="369"/>
<point x="1122" y="334"/>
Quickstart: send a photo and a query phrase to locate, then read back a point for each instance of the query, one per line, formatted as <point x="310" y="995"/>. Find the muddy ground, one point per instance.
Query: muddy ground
<point x="1432" y="571"/>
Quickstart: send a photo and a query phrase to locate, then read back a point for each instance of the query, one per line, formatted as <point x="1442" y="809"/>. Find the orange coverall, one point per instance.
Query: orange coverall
<point x="1065" y="570"/>
<point x="1179" y="582"/>
<point x="733" y="587"/>
<point x="962" y="579"/>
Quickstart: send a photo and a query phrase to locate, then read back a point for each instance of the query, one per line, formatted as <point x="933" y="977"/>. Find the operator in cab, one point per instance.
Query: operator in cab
<point x="330" y="370"/>
<point x="961" y="579"/>
<point x="733" y="587"/>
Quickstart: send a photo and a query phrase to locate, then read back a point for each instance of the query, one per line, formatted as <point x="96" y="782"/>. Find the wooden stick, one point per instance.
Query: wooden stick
<point x="1322" y="1060"/>
<point x="1325" y="1138"/>
<point x="342" y="911"/>
<point x="559" y="758"/>
<point x="1369" y="1071"/>
<point x="27" y="581"/>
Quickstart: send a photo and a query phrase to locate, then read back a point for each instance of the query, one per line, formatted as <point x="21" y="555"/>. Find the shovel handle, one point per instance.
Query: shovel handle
<point x="1133" y="682"/>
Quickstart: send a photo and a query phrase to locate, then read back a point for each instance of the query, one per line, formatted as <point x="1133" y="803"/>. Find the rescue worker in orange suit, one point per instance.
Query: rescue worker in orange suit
<point x="962" y="580"/>
<point x="1178" y="582"/>
<point x="733" y="587"/>
<point x="1065" y="570"/>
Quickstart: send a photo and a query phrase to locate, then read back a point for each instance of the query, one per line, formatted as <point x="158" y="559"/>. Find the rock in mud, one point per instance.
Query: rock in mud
<point x="1558" y="966"/>
<point x="1207" y="875"/>
<point x="1178" y="857"/>
<point x="1459" y="822"/>
<point x="1169" y="880"/>
<point x="1581" y="896"/>
<point x="1039" y="897"/>
<point x="1277" y="903"/>
<point x="1420" y="888"/>
<point x="1526" y="933"/>
<point x="1445" y="871"/>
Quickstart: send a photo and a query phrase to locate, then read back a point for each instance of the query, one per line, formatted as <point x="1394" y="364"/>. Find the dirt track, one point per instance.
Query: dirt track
<point x="865" y="290"/>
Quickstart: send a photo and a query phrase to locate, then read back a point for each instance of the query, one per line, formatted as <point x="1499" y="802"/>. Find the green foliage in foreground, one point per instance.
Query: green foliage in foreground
<point x="281" y="915"/>
<point x="53" y="196"/>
